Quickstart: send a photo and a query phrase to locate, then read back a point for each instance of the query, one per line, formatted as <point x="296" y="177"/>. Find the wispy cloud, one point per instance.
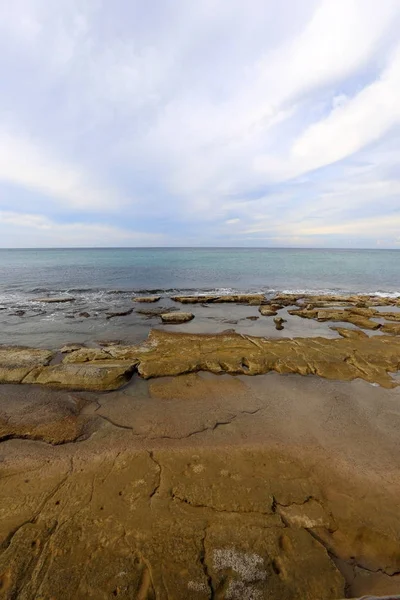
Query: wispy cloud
<point x="203" y="123"/>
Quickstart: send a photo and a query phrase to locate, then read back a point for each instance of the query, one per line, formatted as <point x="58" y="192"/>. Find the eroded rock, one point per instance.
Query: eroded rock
<point x="267" y="311"/>
<point x="167" y="353"/>
<point x="40" y="414"/>
<point x="353" y="334"/>
<point x="17" y="362"/>
<point x="339" y="315"/>
<point x="177" y="317"/>
<point x="97" y="375"/>
<point x="252" y="299"/>
<point x="279" y="321"/>
<point x="392" y="328"/>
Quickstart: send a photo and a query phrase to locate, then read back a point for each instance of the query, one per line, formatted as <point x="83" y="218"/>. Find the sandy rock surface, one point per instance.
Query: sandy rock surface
<point x="200" y="487"/>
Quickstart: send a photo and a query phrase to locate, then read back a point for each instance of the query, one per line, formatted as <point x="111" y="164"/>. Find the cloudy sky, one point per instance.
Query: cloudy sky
<point x="219" y="122"/>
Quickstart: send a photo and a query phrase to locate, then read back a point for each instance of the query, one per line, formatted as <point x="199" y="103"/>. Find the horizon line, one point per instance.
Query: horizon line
<point x="195" y="248"/>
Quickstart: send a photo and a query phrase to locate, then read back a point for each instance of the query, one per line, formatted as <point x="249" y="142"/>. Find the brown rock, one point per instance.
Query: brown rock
<point x="279" y="323"/>
<point x="70" y="348"/>
<point x="343" y="316"/>
<point x="81" y="355"/>
<point x="167" y="353"/>
<point x="146" y="298"/>
<point x="353" y="334"/>
<point x="392" y="328"/>
<point x="84" y="314"/>
<point x="389" y="316"/>
<point x="17" y="362"/>
<point x="267" y="311"/>
<point x="176" y="317"/>
<point x="40" y="414"/>
<point x="252" y="299"/>
<point x="97" y="375"/>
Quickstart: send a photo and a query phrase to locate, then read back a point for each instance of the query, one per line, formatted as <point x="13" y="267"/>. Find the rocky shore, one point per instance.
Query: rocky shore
<point x="164" y="470"/>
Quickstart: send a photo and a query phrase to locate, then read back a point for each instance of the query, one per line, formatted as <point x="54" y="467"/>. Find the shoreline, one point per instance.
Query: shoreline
<point x="207" y="465"/>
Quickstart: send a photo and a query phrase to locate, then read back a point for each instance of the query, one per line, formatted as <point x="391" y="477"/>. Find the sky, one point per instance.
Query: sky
<point x="212" y="123"/>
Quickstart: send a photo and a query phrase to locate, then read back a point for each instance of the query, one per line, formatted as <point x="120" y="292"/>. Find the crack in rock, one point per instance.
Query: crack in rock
<point x="159" y="468"/>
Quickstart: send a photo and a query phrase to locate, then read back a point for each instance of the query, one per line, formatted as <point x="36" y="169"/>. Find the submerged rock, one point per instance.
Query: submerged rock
<point x="71" y="348"/>
<point x="177" y="317"/>
<point x="121" y="313"/>
<point x="59" y="300"/>
<point x="348" y="315"/>
<point x="154" y="312"/>
<point x="252" y="299"/>
<point x="146" y="298"/>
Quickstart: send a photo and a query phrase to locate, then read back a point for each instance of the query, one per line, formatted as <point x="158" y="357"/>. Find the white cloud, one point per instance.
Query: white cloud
<point x="24" y="163"/>
<point x="30" y="230"/>
<point x="196" y="115"/>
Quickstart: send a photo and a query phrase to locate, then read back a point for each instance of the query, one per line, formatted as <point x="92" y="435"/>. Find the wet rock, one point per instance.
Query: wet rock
<point x="18" y="313"/>
<point x="177" y="317"/>
<point x="70" y="348"/>
<point x="347" y="316"/>
<point x="81" y="355"/>
<point x="17" y="362"/>
<point x="389" y="316"/>
<point x="343" y="316"/>
<point x="40" y="414"/>
<point x="146" y="298"/>
<point x="94" y="376"/>
<point x="84" y="314"/>
<point x="354" y="334"/>
<point x="252" y="318"/>
<point x="267" y="311"/>
<point x="252" y="299"/>
<point x="372" y="359"/>
<point x="121" y="313"/>
<point x="392" y="328"/>
<point x="154" y="312"/>
<point x="279" y="321"/>
<point x="165" y="353"/>
<point x="362" y="301"/>
<point x="109" y="342"/>
<point x="50" y="300"/>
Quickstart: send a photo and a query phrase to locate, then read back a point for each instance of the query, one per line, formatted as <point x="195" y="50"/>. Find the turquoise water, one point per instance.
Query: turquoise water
<point x="91" y="271"/>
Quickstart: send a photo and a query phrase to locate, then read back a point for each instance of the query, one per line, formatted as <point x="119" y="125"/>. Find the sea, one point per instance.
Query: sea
<point x="106" y="279"/>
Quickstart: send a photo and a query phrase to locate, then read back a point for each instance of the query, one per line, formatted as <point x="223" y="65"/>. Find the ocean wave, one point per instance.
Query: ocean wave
<point x="103" y="296"/>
